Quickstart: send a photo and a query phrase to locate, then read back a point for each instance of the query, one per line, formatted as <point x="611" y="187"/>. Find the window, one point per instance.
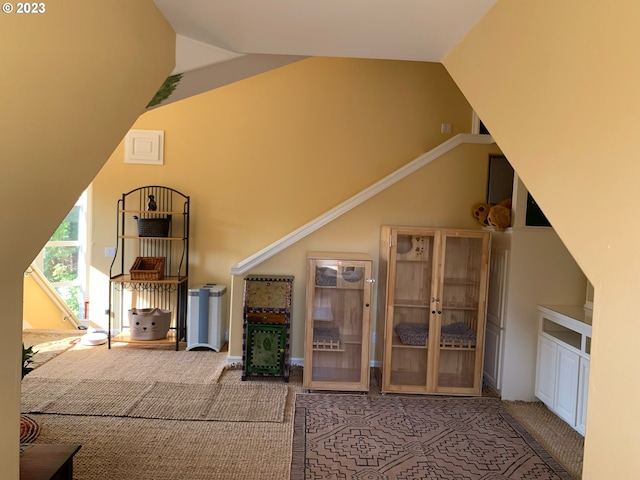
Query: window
<point x="63" y="260"/>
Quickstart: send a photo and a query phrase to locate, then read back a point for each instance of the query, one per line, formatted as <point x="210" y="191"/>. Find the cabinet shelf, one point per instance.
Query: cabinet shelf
<point x="335" y="287"/>
<point x="443" y="346"/>
<point x="399" y="344"/>
<point x="168" y="284"/>
<point x="421" y="304"/>
<point x="338" y="345"/>
<point x="136" y="237"/>
<point x="411" y="303"/>
<point x="336" y="376"/>
<point x="153" y="212"/>
<point x="126" y="338"/>
<point x="468" y="308"/>
<point x="328" y="347"/>
<point x="461" y="347"/>
<point x="460" y="281"/>
<point x="567" y="336"/>
<point x="404" y="381"/>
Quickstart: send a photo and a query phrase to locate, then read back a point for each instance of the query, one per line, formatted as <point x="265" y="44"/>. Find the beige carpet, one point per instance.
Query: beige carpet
<point x="121" y="448"/>
<point x="556" y="436"/>
<point x="157" y="400"/>
<point x="134" y="364"/>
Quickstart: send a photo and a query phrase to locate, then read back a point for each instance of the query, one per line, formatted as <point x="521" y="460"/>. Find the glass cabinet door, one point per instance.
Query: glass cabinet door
<point x="411" y="282"/>
<point x="433" y="305"/>
<point x="460" y="311"/>
<point x="337" y="335"/>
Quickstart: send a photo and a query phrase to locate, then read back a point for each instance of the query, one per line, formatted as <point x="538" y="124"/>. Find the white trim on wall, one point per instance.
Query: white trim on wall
<point x="404" y="171"/>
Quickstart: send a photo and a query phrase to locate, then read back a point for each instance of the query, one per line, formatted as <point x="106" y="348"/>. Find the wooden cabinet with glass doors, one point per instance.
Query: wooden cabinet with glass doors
<point x="337" y="332"/>
<point x="432" y="300"/>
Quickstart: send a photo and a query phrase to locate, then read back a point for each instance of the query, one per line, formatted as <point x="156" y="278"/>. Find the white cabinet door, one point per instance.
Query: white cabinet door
<point x="583" y="387"/>
<point x="546" y="371"/>
<point x="497" y="289"/>
<point x="492" y="350"/>
<point x="496" y="297"/>
<point x="566" y="388"/>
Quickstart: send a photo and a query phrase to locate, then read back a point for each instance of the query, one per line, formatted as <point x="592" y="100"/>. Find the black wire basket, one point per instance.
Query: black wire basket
<point x="153" y="227"/>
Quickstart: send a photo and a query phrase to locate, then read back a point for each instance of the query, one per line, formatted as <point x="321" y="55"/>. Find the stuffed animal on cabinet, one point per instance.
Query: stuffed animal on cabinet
<point x="497" y="216"/>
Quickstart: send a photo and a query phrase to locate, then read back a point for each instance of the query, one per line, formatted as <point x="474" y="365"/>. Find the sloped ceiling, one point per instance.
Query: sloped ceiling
<point x="422" y="30"/>
<point x="222" y="41"/>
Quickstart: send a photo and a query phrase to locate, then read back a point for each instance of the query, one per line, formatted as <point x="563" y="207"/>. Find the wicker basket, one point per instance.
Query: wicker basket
<point x="153" y="227"/>
<point x="148" y="268"/>
<point x="149" y="323"/>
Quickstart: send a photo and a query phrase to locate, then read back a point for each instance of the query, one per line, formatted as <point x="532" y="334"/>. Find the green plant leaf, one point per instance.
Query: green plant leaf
<point x="166" y="90"/>
<point x="27" y="353"/>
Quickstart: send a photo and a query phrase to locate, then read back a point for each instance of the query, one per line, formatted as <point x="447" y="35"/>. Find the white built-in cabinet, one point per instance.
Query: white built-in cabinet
<point x="562" y="367"/>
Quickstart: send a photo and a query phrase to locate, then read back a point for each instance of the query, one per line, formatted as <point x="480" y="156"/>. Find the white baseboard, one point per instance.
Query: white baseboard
<point x="234" y="360"/>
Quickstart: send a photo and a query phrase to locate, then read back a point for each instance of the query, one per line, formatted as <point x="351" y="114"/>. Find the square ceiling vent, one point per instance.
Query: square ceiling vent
<point x="144" y="147"/>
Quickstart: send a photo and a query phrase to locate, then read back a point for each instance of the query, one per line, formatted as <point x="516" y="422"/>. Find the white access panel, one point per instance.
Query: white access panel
<point x="207" y="321"/>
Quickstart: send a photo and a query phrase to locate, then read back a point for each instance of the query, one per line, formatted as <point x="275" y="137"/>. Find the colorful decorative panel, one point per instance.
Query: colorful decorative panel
<point x="267" y="321"/>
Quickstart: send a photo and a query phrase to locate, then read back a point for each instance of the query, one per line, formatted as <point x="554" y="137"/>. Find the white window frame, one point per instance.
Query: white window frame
<point x="84" y="253"/>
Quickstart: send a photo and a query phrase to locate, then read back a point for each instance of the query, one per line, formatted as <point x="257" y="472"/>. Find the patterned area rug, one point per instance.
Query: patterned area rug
<point x="49" y="343"/>
<point x="399" y="437"/>
<point x="29" y="429"/>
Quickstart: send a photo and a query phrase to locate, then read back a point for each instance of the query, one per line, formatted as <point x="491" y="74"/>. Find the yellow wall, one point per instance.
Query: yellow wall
<point x="300" y="139"/>
<point x="73" y="81"/>
<point x="557" y="85"/>
<point x="39" y="311"/>
<point x="261" y="157"/>
<point x="425" y="198"/>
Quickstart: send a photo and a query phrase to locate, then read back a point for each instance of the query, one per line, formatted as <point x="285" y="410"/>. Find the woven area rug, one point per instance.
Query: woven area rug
<point x="398" y="437"/>
<point x="157" y="400"/>
<point x="134" y="364"/>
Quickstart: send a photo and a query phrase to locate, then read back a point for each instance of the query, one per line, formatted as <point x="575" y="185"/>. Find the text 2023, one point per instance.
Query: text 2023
<point x="31" y="7"/>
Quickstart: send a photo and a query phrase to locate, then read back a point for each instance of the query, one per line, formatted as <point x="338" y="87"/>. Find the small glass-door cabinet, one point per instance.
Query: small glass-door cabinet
<point x="432" y="299"/>
<point x="337" y="329"/>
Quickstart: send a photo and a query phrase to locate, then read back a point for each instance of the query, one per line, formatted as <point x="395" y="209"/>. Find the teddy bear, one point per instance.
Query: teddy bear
<point x="497" y="216"/>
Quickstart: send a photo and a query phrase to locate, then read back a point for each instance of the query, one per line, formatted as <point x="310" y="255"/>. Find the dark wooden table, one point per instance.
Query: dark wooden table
<point x="48" y="462"/>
